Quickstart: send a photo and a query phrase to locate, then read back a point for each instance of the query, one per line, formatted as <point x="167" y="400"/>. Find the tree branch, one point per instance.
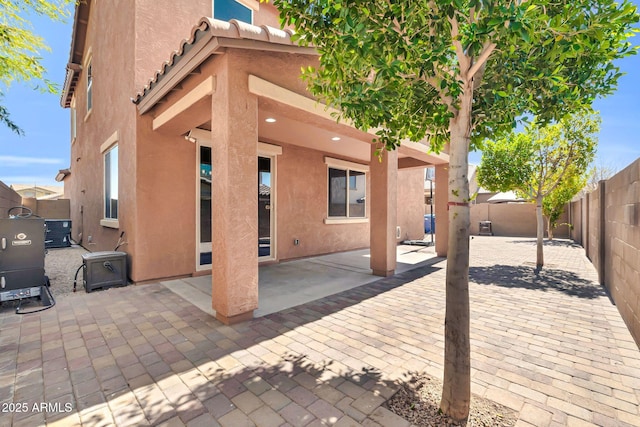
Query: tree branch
<point x="487" y="50"/>
<point x="463" y="59"/>
<point x="446" y="100"/>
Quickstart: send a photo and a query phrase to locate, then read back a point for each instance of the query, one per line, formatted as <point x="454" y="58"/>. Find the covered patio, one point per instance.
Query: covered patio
<point x="297" y="282"/>
<point x="234" y="90"/>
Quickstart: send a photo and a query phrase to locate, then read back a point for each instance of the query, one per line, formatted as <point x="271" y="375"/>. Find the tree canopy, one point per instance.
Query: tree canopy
<point x="457" y="72"/>
<point x="544" y="164"/>
<point x="402" y="65"/>
<point x="21" y="48"/>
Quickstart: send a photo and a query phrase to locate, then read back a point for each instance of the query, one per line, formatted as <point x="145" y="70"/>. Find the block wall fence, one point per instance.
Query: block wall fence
<point x="606" y="223"/>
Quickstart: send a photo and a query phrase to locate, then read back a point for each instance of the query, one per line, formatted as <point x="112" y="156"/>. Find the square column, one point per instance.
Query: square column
<point x="383" y="216"/>
<point x="442" y="213"/>
<point x="234" y="133"/>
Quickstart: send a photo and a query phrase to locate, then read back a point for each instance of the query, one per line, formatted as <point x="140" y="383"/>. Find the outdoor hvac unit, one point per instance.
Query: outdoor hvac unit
<point x="21" y="258"/>
<point x="103" y="270"/>
<point x="58" y="233"/>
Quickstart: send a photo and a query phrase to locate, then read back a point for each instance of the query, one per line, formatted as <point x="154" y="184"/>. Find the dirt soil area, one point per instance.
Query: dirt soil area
<point x="419" y="401"/>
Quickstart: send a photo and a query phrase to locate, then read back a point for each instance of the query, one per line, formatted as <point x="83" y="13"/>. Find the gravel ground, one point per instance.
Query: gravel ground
<point x="60" y="264"/>
<point x="419" y="404"/>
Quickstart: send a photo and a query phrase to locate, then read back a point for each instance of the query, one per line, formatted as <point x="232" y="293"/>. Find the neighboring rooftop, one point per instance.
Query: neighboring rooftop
<point x="39" y="191"/>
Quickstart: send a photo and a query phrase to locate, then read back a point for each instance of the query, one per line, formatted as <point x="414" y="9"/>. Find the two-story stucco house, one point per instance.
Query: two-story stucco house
<point x="193" y="134"/>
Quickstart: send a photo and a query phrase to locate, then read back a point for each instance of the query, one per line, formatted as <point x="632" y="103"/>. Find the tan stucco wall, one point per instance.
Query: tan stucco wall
<point x="157" y="184"/>
<point x="165" y="205"/>
<point x="302" y="208"/>
<point x="110" y="41"/>
<point x="159" y="34"/>
<point x="301" y="193"/>
<point x="411" y="204"/>
<point x="512" y="219"/>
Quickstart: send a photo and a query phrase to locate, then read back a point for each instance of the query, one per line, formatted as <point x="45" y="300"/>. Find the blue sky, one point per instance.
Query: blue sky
<point x="36" y="157"/>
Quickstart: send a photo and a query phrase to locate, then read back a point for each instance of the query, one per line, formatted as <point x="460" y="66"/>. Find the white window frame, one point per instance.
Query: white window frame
<point x="272" y="152"/>
<point x="88" y="67"/>
<point x="106" y="148"/>
<point x="203" y="139"/>
<point x="348" y="167"/>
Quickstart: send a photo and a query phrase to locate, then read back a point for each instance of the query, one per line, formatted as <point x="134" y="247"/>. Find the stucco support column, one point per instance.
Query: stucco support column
<point x="383" y="217"/>
<point x="442" y="215"/>
<point x="234" y="201"/>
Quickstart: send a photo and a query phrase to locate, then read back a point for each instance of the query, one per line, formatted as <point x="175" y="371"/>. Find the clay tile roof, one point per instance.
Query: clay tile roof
<point x="232" y="29"/>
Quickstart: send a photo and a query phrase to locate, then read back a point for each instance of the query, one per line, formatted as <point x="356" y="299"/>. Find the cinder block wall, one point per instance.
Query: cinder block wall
<point x="513" y="219"/>
<point x="8" y="199"/>
<point x="49" y="209"/>
<point x="611" y="217"/>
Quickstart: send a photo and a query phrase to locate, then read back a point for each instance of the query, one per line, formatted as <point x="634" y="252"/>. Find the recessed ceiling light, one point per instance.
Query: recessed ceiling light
<point x="335" y="138"/>
<point x="270" y="120"/>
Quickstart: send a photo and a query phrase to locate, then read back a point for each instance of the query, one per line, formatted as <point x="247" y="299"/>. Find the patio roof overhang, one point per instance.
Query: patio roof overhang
<point x="300" y="120"/>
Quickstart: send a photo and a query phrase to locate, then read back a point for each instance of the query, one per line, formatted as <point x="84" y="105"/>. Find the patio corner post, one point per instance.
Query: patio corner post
<point x="442" y="216"/>
<point x="234" y="133"/>
<point x="383" y="216"/>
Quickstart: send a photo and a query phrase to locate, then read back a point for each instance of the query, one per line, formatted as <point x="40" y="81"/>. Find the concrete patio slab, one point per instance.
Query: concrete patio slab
<point x="550" y="345"/>
<point x="292" y="283"/>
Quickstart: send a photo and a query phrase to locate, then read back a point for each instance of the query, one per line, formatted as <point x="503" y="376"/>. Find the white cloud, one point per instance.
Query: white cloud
<point x="17" y="161"/>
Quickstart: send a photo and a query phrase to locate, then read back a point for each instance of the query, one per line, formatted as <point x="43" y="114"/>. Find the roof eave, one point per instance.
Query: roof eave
<point x="207" y="38"/>
<point x="78" y="35"/>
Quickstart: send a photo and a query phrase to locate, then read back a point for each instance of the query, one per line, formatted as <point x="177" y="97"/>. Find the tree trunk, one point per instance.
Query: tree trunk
<point x="539" y="233"/>
<point x="456" y="391"/>
<point x="549" y="229"/>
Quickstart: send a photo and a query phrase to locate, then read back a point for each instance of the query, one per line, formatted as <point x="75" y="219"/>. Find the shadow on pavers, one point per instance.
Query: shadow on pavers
<point x="561" y="243"/>
<point x="547" y="279"/>
<point x="295" y="378"/>
<point x="198" y="353"/>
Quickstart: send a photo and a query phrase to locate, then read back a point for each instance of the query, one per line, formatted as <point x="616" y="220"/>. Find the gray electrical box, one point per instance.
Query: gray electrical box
<point x="103" y="270"/>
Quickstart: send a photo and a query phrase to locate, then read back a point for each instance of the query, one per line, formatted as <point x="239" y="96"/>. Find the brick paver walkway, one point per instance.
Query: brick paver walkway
<point x="552" y="347"/>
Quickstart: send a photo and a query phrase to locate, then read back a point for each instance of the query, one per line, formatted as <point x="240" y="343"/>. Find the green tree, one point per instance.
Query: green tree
<point x="599" y="172"/>
<point x="457" y="72"/>
<point x="543" y="162"/>
<point x="553" y="205"/>
<point x="20" y="47"/>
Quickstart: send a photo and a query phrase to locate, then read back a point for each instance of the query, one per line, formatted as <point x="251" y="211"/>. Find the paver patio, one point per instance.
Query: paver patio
<point x="552" y="347"/>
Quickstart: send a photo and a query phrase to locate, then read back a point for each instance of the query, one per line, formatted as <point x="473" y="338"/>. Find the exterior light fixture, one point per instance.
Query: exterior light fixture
<point x="335" y="138"/>
<point x="270" y="120"/>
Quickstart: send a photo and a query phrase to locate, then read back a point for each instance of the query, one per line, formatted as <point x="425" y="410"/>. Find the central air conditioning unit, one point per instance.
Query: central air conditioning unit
<point x="102" y="270"/>
<point x="58" y="233"/>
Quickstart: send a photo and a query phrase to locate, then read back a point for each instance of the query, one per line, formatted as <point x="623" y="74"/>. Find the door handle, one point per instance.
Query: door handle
<point x="3" y="282"/>
<point x="4" y="243"/>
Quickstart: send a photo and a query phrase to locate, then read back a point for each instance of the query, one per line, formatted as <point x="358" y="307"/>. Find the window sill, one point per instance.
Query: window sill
<point x="346" y="220"/>
<point x="110" y="223"/>
<point x="86" y="116"/>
